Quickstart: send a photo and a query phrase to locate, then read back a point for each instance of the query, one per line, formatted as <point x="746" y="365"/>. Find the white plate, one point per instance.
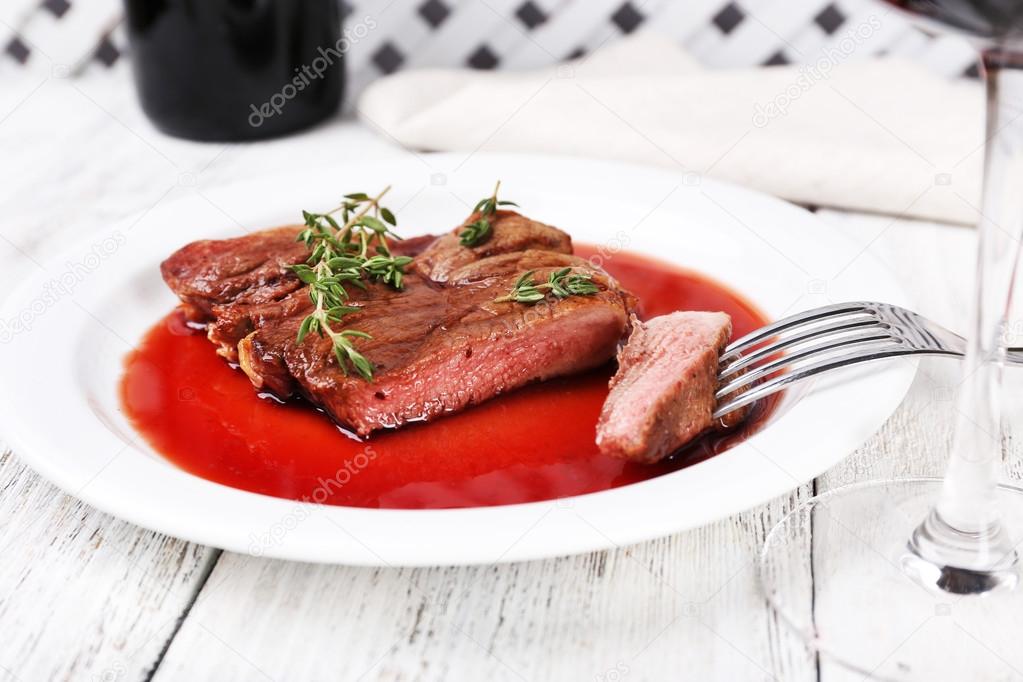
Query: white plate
<point x="61" y="364"/>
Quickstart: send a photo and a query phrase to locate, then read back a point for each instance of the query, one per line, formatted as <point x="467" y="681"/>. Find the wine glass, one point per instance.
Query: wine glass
<point x="919" y="579"/>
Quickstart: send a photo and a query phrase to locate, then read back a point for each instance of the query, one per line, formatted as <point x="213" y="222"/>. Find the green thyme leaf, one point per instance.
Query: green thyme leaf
<point x="561" y="283"/>
<point x="475" y="233"/>
<point x="478" y="232"/>
<point x="339" y="254"/>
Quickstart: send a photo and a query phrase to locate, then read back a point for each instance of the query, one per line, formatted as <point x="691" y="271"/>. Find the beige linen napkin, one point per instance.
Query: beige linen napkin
<point x="879" y="135"/>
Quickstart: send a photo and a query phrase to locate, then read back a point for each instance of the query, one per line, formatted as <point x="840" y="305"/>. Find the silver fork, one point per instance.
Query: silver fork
<point x="824" y="339"/>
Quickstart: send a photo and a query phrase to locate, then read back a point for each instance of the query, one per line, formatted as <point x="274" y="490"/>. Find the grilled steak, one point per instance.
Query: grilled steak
<point x="663" y="393"/>
<point x="439" y="345"/>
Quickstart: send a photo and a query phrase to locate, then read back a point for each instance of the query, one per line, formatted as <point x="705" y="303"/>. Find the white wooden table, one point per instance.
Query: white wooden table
<point x="86" y="596"/>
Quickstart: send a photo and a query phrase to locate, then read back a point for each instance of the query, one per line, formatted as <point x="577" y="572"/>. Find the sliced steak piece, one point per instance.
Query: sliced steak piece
<point x="510" y="232"/>
<point x="228" y="282"/>
<point x="663" y="393"/>
<point x="437" y="350"/>
<point x="245" y="270"/>
<point x="515" y="263"/>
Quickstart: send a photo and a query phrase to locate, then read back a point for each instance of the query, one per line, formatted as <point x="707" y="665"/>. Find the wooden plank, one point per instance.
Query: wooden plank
<point x="684" y="606"/>
<point x="83" y="595"/>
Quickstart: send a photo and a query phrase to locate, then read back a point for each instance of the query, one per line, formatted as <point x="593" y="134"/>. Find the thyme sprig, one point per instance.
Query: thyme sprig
<point x="562" y="283"/>
<point x="342" y="253"/>
<point x="477" y="232"/>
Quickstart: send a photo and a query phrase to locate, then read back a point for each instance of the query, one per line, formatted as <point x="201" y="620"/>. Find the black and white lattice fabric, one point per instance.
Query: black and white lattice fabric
<point x="59" y="35"/>
<point x="388" y="35"/>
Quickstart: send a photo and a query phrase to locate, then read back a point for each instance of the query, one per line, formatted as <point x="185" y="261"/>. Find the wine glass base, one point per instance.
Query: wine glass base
<point x="839" y="570"/>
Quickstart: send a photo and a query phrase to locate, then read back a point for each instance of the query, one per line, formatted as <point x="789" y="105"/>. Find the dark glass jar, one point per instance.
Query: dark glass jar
<point x="236" y="69"/>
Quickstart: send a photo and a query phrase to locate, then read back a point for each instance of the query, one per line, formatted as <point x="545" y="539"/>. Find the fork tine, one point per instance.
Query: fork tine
<point x="779" y="382"/>
<point x="770" y="330"/>
<point x="817" y="331"/>
<point x="875" y="339"/>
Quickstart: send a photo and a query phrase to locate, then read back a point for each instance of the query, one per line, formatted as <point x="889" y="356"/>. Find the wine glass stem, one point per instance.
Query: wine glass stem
<point x="964" y="530"/>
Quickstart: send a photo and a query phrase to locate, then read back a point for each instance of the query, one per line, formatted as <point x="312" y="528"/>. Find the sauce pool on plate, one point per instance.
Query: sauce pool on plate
<point x="532" y="444"/>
